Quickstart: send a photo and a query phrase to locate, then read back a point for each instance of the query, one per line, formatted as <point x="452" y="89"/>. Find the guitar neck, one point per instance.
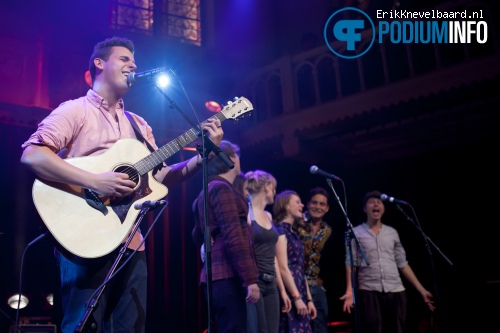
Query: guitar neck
<point x="156" y="158"/>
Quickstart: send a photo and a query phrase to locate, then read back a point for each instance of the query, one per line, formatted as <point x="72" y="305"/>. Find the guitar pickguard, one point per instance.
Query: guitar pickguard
<point x="121" y="206"/>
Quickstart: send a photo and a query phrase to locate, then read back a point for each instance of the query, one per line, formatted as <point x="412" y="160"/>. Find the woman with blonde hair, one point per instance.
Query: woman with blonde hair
<point x="261" y="191"/>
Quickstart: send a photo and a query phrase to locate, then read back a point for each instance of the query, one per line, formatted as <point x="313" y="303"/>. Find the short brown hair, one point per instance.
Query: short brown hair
<point x="319" y="190"/>
<point x="369" y="195"/>
<point x="218" y="166"/>
<point x="102" y="50"/>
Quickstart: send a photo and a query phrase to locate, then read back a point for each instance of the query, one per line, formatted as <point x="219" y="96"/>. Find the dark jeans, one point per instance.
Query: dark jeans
<point x="122" y="305"/>
<point x="229" y="306"/>
<point x="267" y="309"/>
<point x="382" y="312"/>
<point x="252" y="319"/>
<point x="320" y="323"/>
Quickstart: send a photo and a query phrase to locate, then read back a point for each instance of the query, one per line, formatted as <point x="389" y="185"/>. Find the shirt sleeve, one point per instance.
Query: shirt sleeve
<point x="279" y="228"/>
<point x="234" y="230"/>
<point x="59" y="128"/>
<point x="354" y="247"/>
<point x="399" y="252"/>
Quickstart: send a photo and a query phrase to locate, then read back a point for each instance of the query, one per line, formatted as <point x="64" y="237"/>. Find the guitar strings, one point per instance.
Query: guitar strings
<point x="133" y="173"/>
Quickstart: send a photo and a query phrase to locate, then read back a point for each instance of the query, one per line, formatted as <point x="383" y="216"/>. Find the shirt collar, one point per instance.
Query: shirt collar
<point x="217" y="177"/>
<point x="367" y="227"/>
<point x="99" y="101"/>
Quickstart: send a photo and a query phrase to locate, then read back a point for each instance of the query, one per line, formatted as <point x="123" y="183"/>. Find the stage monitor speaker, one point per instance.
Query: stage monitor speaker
<point x="35" y="329"/>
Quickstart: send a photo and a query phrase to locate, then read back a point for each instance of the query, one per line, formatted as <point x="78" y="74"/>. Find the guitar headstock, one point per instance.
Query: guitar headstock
<point x="237" y="109"/>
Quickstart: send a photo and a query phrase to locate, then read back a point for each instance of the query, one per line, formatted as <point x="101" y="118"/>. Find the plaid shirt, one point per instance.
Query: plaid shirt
<point x="232" y="253"/>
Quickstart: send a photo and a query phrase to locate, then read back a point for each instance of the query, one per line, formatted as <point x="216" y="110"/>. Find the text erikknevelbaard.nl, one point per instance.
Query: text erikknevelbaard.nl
<point x="464" y="26"/>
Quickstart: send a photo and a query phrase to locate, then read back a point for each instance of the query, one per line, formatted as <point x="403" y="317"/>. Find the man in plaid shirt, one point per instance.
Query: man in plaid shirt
<point x="234" y="272"/>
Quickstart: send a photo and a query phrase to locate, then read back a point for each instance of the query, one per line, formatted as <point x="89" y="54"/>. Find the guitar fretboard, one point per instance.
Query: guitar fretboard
<point x="149" y="162"/>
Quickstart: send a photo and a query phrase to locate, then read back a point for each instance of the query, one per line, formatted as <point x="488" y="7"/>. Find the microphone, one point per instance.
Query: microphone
<point x="146" y="75"/>
<point x="37" y="239"/>
<point x="386" y="198"/>
<point x="150" y="204"/>
<point x="316" y="171"/>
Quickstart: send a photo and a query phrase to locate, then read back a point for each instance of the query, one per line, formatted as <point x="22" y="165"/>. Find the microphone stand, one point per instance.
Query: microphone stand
<point x="428" y="241"/>
<point x="93" y="302"/>
<point x="349" y="235"/>
<point x="204" y="150"/>
<point x="206" y="141"/>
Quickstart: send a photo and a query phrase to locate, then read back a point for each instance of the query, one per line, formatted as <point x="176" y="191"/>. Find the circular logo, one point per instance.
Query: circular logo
<point x="345" y="26"/>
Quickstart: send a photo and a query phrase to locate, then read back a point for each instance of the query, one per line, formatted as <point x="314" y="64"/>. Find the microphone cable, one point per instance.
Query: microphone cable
<point x="191" y="106"/>
<point x="16" y="324"/>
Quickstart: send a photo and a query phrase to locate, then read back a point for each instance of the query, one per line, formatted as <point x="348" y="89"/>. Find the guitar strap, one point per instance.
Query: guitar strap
<point x="137" y="131"/>
<point x="141" y="138"/>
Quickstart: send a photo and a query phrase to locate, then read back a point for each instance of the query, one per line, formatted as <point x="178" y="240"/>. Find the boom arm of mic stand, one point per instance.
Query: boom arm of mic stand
<point x="173" y="105"/>
<point x="349" y="224"/>
<point x="209" y="145"/>
<point x="426" y="238"/>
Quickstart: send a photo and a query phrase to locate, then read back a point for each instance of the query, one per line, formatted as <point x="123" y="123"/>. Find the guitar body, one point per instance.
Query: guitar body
<point x="90" y="226"/>
<point x="86" y="231"/>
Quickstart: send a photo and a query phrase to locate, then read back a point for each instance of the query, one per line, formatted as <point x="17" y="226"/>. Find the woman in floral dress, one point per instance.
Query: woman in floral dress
<point x="290" y="254"/>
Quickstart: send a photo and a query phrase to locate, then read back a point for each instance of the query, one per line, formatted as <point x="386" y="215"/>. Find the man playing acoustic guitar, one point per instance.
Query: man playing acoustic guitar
<point x="90" y="126"/>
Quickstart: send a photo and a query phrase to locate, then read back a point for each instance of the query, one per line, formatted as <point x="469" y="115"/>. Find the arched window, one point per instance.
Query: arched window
<point x="178" y="19"/>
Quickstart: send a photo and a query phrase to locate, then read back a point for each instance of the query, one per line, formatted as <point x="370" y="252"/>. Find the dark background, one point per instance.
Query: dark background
<point x="445" y="167"/>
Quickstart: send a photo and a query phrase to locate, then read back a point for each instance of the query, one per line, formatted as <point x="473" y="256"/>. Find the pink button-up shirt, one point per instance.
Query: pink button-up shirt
<point x="84" y="127"/>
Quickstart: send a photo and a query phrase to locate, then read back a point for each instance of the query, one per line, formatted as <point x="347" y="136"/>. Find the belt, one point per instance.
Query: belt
<point x="267" y="277"/>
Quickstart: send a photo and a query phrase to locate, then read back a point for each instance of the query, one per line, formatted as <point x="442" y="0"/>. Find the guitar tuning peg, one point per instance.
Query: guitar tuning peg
<point x="235" y="98"/>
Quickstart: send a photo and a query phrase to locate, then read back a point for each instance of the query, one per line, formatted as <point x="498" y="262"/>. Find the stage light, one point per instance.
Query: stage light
<point x="50" y="299"/>
<point x="213" y="106"/>
<point x="88" y="78"/>
<point x="163" y="80"/>
<point x="14" y="300"/>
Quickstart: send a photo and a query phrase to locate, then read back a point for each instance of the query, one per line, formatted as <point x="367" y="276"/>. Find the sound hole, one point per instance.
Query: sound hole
<point x="132" y="173"/>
